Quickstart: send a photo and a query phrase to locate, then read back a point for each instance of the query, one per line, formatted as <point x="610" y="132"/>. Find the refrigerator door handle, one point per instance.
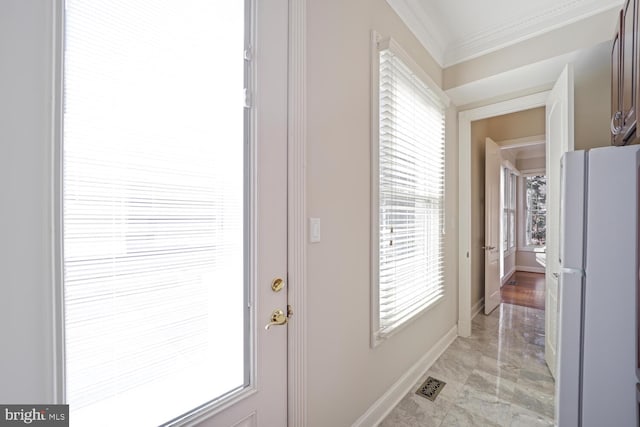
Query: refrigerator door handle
<point x="567" y="270"/>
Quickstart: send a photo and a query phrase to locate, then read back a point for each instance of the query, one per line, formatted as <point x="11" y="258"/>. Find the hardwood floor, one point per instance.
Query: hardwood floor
<point x="528" y="290"/>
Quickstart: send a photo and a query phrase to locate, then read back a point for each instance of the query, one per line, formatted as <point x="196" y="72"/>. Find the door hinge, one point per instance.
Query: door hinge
<point x="248" y="54"/>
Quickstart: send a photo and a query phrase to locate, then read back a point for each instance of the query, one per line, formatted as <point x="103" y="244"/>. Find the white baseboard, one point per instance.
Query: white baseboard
<point x="530" y="269"/>
<point x="509" y="273"/>
<point x="477" y="308"/>
<point x="385" y="404"/>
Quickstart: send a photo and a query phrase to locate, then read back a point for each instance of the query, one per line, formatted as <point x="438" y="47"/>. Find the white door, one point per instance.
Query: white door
<point x="559" y="135"/>
<point x="188" y="190"/>
<point x="492" y="217"/>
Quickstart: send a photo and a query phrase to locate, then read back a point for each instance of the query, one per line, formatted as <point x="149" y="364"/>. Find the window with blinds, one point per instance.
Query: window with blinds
<point x="408" y="211"/>
<point x="153" y="208"/>
<point x="535" y="188"/>
<point x="509" y="210"/>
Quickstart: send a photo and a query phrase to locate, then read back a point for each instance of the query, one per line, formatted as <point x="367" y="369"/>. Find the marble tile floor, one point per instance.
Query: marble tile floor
<point x="497" y="377"/>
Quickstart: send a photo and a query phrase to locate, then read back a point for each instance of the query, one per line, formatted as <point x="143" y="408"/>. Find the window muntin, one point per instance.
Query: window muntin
<point x="409" y="185"/>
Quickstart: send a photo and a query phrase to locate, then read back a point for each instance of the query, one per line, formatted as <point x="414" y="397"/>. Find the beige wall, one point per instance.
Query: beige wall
<point x="592" y="78"/>
<point x="517" y="125"/>
<point x="509" y="265"/>
<point x="530" y="259"/>
<point x="345" y="375"/>
<point x="531" y="164"/>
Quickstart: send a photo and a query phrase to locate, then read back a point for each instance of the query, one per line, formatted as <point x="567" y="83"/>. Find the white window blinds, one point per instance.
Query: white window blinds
<point x="410" y="194"/>
<point x="153" y="196"/>
<point x="509" y="210"/>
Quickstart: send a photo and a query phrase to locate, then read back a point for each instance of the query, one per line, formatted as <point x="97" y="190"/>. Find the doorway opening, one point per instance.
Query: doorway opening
<point x="508" y="202"/>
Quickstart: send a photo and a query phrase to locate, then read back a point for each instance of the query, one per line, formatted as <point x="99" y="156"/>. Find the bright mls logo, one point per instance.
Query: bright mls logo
<point x="37" y="415"/>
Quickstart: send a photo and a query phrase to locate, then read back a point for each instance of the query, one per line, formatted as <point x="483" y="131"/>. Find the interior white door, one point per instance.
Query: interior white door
<point x="492" y="226"/>
<point x="263" y="402"/>
<point x="559" y="135"/>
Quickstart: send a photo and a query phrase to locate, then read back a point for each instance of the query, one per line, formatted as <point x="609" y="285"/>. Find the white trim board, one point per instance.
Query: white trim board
<point x="385" y="404"/>
<point x="464" y="197"/>
<point x="446" y="50"/>
<point x="297" y="408"/>
<point x="507" y="275"/>
<point x="528" y="269"/>
<point x="527" y="141"/>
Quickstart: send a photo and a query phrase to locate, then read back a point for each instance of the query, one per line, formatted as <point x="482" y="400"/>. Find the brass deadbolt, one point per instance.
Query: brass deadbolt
<point x="277" y="285"/>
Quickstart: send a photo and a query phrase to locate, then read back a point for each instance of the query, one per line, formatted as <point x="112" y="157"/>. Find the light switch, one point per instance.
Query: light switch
<point x="314" y="230"/>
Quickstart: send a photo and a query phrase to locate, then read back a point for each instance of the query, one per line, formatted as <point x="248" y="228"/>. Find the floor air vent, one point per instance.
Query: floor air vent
<point x="430" y="388"/>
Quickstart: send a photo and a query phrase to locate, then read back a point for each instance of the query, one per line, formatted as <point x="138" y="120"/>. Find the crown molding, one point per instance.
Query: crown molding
<point x="563" y="14"/>
<point x="436" y="38"/>
<point x="428" y="32"/>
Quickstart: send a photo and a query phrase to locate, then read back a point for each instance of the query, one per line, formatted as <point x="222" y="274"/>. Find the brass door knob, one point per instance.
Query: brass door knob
<point x="278" y="318"/>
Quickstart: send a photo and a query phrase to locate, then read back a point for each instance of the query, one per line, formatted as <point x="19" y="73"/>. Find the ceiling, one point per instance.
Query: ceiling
<point x="458" y="30"/>
<point x="529" y="150"/>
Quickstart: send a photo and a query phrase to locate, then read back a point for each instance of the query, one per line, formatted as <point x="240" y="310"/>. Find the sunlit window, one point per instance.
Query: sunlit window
<point x="536" y="210"/>
<point x="410" y="192"/>
<point x="153" y="208"/>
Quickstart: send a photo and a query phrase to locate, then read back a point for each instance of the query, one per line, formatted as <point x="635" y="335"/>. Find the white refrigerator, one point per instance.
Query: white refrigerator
<point x="596" y="382"/>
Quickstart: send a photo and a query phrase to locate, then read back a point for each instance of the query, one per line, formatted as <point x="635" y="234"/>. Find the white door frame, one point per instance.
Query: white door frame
<point x="464" y="193"/>
<point x="297" y="212"/>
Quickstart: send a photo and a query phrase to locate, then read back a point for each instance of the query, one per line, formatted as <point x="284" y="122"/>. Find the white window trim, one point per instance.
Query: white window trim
<point x="537" y="249"/>
<point x="379" y="43"/>
<point x="506" y="249"/>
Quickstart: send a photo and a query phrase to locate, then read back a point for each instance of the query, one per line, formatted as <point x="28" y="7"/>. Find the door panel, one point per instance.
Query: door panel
<point x="492" y="246"/>
<point x="559" y="135"/>
<point x="265" y="404"/>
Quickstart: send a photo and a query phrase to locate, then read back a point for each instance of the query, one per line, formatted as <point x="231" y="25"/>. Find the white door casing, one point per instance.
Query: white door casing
<point x="492" y="247"/>
<point x="559" y="135"/>
<point x="297" y="217"/>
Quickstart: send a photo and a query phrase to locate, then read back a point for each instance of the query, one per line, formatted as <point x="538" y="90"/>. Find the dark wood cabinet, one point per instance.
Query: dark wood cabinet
<point x="624" y="77"/>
